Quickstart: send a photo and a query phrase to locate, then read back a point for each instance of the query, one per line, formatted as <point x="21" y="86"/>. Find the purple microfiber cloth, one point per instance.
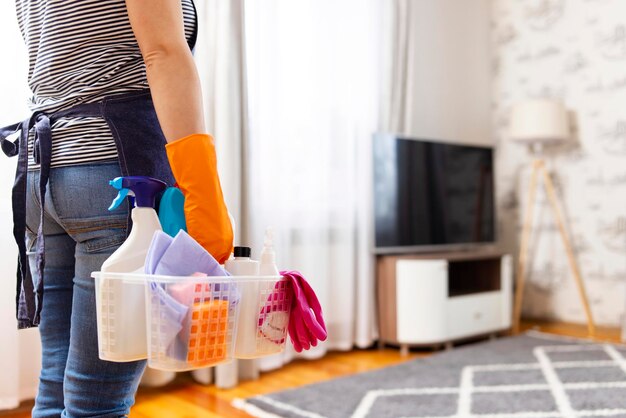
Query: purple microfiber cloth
<point x="178" y="256"/>
<point x="160" y="243"/>
<point x="183" y="257"/>
<point x="169" y="314"/>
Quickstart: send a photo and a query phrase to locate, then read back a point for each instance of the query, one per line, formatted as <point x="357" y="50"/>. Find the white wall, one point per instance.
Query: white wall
<point x="449" y="78"/>
<point x="574" y="50"/>
<point x="19" y="351"/>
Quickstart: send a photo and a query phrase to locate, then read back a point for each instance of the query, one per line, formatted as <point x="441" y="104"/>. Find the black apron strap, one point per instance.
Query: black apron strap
<point x="43" y="153"/>
<point x="29" y="298"/>
<point x="26" y="306"/>
<point x="141" y="151"/>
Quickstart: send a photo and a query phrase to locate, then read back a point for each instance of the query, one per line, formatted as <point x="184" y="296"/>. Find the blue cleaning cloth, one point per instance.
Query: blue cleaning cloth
<point x="172" y="211"/>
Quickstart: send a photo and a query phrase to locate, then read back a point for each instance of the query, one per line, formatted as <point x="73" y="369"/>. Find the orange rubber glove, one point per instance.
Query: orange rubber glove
<point x="194" y="165"/>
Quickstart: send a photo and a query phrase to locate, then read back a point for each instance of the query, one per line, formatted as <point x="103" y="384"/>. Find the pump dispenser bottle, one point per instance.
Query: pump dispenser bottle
<point x="267" y="265"/>
<point x="274" y="316"/>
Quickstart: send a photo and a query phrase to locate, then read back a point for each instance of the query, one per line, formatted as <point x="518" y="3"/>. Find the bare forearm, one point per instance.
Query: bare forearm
<point x="172" y="75"/>
<point x="176" y="92"/>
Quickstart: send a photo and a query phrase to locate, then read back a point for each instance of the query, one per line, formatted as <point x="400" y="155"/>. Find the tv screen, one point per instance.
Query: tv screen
<point x="429" y="193"/>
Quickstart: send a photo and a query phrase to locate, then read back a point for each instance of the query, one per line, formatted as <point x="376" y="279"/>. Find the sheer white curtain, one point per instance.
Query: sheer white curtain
<point x="19" y="351"/>
<point x="308" y="79"/>
<point x="314" y="71"/>
<point x="220" y="59"/>
<point x="401" y="44"/>
<point x="219" y="56"/>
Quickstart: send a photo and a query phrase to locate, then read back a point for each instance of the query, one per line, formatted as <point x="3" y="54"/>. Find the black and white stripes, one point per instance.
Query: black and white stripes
<point x="79" y="52"/>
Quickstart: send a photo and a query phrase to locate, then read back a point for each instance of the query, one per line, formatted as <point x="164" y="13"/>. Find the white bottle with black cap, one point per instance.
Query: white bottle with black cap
<point x="243" y="265"/>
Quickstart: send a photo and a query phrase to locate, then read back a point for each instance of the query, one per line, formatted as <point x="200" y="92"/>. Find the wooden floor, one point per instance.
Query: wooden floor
<point x="186" y="399"/>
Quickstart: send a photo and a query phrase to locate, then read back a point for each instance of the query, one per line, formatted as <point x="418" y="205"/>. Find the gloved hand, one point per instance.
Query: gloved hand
<point x="194" y="165"/>
<point x="306" y="323"/>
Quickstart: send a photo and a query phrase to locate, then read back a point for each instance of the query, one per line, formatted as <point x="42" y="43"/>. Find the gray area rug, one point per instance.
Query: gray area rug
<point x="529" y="376"/>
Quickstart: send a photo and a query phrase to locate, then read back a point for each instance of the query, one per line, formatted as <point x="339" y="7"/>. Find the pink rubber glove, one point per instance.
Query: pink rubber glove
<point x="306" y="323"/>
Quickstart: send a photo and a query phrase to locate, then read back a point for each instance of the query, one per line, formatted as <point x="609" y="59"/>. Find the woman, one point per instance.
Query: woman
<point x="101" y="73"/>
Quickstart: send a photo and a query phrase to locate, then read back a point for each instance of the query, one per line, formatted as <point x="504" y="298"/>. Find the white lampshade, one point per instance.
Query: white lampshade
<point x="539" y="121"/>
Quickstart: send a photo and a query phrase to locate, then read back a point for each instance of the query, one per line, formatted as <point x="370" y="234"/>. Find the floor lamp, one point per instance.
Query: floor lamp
<point x="538" y="123"/>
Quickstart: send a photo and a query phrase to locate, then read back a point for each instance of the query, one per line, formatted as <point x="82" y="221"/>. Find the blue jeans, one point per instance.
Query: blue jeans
<point x="80" y="233"/>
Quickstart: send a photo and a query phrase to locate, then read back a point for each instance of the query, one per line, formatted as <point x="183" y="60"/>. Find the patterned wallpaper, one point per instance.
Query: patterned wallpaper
<point x="574" y="50"/>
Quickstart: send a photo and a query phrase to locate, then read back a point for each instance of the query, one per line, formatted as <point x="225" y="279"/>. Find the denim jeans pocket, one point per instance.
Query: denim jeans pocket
<point x="79" y="198"/>
<point x="97" y="234"/>
<point x="97" y="244"/>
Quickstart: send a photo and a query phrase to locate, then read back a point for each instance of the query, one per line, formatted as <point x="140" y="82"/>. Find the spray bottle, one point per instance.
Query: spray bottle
<point x="122" y="329"/>
<point x="132" y="253"/>
<point x="274" y="315"/>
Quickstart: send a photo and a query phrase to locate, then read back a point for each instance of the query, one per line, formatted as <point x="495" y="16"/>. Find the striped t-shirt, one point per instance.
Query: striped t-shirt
<point x="81" y="51"/>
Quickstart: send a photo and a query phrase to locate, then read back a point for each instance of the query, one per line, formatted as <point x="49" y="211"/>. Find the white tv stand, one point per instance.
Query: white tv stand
<point x="434" y="299"/>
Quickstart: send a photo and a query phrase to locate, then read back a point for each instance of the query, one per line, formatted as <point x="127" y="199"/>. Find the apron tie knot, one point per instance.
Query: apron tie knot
<point x="43" y="134"/>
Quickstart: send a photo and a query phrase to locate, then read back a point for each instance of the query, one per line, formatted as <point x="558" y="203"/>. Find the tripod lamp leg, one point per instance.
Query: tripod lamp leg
<point x="591" y="328"/>
<point x="523" y="255"/>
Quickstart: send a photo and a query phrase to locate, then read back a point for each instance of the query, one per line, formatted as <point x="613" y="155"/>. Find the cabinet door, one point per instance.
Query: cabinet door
<point x="421" y="293"/>
<point x="474" y="314"/>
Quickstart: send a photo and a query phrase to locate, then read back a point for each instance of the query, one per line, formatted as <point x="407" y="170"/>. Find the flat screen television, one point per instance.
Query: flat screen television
<point x="431" y="195"/>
